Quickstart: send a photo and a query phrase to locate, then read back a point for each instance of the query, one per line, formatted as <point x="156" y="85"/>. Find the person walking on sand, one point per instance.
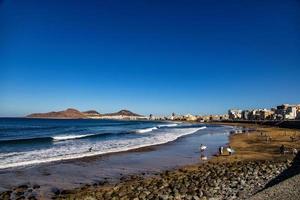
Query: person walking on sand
<point x="295" y="151"/>
<point x="202" y="148"/>
<point x="282" y="149"/>
<point x="221" y="150"/>
<point x="230" y="150"/>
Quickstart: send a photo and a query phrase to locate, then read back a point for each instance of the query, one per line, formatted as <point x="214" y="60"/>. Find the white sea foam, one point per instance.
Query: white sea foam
<point x="69" y="137"/>
<point x="146" y="130"/>
<point x="72" y="149"/>
<point x="167" y="125"/>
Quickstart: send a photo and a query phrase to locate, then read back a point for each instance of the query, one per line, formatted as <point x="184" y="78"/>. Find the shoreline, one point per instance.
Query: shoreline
<point x="279" y="163"/>
<point x="111" y="168"/>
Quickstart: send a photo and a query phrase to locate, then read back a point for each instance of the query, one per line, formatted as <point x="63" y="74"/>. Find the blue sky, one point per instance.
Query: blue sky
<point x="200" y="57"/>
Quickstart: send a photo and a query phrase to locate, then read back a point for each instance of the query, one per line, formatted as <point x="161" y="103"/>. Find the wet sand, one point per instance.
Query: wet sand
<point x="147" y="161"/>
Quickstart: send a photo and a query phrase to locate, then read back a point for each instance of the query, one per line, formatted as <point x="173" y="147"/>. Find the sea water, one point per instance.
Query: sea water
<point x="32" y="141"/>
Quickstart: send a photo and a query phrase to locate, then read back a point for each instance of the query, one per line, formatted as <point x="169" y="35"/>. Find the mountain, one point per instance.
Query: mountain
<point x="122" y="113"/>
<point x="66" y="114"/>
<point x="91" y="112"/>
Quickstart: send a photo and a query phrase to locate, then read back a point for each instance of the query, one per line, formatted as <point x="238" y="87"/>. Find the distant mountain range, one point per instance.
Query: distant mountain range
<point x="72" y="113"/>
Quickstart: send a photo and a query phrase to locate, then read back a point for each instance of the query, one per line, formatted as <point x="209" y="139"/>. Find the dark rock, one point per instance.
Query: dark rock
<point x="56" y="191"/>
<point x="5" y="195"/>
<point x="21" y="198"/>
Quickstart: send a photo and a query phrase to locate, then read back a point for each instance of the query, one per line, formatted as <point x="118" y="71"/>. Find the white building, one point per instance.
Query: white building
<point x="291" y="112"/>
<point x="235" y="114"/>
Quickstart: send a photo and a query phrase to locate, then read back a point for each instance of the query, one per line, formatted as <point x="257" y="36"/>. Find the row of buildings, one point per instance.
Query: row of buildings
<point x="281" y="112"/>
<point x="189" y="117"/>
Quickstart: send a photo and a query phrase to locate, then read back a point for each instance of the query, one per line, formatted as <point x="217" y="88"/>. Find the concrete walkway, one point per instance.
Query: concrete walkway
<point x="288" y="189"/>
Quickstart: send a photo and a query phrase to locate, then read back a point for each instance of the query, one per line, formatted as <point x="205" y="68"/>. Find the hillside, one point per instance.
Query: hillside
<point x="91" y="112"/>
<point x="122" y="113"/>
<point x="66" y="114"/>
<point x="75" y="114"/>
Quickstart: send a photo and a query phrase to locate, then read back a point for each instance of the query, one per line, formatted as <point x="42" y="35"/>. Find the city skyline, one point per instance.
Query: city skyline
<point x="198" y="57"/>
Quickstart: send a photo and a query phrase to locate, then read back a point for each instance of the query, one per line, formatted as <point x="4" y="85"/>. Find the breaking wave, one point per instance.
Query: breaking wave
<point x="73" y="150"/>
<point x="167" y="125"/>
<point x="146" y="130"/>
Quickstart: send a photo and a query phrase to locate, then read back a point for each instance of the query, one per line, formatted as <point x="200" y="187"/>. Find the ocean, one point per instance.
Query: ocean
<point x="26" y="142"/>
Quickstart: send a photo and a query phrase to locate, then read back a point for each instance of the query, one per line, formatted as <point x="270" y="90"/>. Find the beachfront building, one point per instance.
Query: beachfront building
<point x="190" y="117"/>
<point x="265" y="114"/>
<point x="255" y="114"/>
<point x="205" y="118"/>
<point x="286" y="111"/>
<point x="298" y="115"/>
<point x="291" y="112"/>
<point x="224" y="117"/>
<point x="235" y="114"/>
<point x="245" y="114"/>
<point x="282" y="112"/>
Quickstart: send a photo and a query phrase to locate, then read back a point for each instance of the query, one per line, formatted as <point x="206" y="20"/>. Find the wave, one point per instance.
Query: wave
<point x="70" y="137"/>
<point x="146" y="130"/>
<point x="57" y="138"/>
<point x="167" y="125"/>
<point x="104" y="147"/>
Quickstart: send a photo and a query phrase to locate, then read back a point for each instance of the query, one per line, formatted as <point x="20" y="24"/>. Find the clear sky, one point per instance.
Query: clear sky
<point x="199" y="57"/>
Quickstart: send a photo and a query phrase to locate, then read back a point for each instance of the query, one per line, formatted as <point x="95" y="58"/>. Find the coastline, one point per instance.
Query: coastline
<point x="111" y="168"/>
<point x="126" y="187"/>
<point x="259" y="168"/>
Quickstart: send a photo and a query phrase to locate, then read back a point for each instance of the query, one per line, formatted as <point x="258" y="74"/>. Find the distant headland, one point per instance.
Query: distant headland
<point x="72" y="113"/>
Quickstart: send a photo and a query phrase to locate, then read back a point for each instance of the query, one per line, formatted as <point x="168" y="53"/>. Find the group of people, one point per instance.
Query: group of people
<point x="283" y="150"/>
<point x="229" y="149"/>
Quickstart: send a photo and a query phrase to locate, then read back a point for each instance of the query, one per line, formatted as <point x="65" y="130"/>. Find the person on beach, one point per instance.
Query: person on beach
<point x="221" y="150"/>
<point x="202" y="147"/>
<point x="230" y="150"/>
<point x="295" y="151"/>
<point x="282" y="149"/>
<point x="293" y="138"/>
